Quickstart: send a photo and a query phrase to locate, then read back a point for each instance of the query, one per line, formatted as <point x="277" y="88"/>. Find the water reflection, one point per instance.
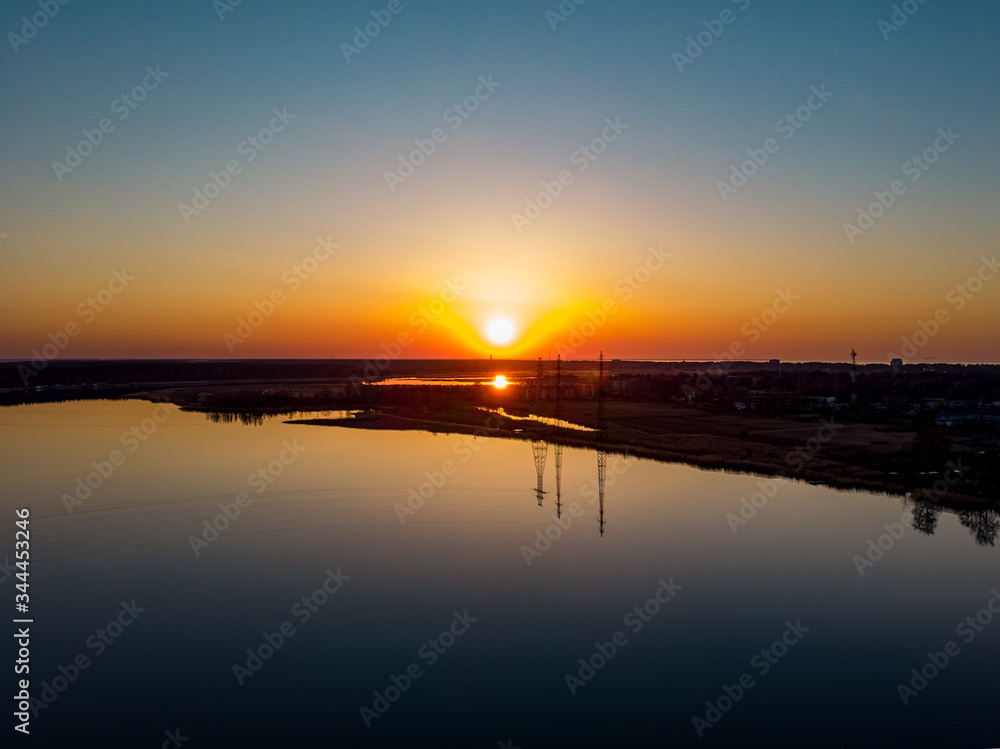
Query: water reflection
<point x="602" y="472"/>
<point x="925" y="517"/>
<point x="559" y="459"/>
<point x="539" y="453"/>
<point x="983" y="525"/>
<point x="535" y="418"/>
<point x="335" y="506"/>
<point x="258" y="418"/>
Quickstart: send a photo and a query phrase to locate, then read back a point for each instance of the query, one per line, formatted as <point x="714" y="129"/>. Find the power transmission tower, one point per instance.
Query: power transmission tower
<point x="539" y="376"/>
<point x="558" y="383"/>
<point x="602" y="470"/>
<point x="602" y="455"/>
<point x="558" y="449"/>
<point x="540" y="450"/>
<point x="854" y="376"/>
<point x="602" y="420"/>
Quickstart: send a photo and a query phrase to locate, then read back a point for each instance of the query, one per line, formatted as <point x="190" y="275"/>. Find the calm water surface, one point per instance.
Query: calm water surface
<point x="444" y="589"/>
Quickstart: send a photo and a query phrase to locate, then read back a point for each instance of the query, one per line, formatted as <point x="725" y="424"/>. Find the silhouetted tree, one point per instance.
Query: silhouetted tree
<point x="982" y="524"/>
<point x="925" y="518"/>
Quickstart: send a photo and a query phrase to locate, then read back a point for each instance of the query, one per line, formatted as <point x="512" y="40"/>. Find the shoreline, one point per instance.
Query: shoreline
<point x="832" y="475"/>
<point x="889" y="455"/>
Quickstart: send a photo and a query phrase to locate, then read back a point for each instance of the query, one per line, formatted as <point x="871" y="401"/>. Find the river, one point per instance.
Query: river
<point x="297" y="585"/>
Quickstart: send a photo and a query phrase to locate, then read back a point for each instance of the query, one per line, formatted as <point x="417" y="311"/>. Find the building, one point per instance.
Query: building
<point x="970" y="418"/>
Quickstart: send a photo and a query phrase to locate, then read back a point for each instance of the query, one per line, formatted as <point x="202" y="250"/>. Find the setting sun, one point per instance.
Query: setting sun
<point x="500" y="331"/>
<point x="500" y="382"/>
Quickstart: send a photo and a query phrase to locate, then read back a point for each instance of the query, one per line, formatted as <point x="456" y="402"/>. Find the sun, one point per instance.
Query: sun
<point x="500" y="331"/>
<point x="500" y="383"/>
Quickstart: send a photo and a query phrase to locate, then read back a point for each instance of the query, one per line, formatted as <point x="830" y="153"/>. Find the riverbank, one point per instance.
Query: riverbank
<point x="849" y="449"/>
<point x="845" y="456"/>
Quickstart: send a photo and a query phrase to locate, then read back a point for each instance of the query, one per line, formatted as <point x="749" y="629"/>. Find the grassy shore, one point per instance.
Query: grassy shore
<point x="849" y="456"/>
<point x="842" y="450"/>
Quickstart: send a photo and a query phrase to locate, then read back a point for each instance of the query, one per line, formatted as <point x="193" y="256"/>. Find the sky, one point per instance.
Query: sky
<point x="793" y="180"/>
